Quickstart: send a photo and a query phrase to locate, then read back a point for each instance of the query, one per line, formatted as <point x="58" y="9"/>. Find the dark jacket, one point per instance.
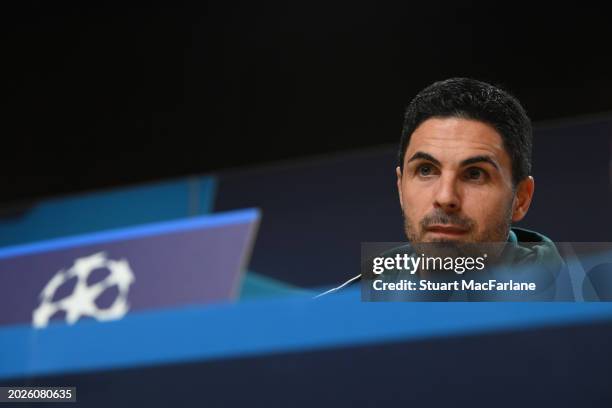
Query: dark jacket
<point x="532" y="256"/>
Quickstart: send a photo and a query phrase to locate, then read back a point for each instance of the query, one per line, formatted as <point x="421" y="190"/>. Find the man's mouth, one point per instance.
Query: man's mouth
<point x="446" y="230"/>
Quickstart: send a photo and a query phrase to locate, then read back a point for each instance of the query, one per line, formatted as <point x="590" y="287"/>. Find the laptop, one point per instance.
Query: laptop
<point x="107" y="275"/>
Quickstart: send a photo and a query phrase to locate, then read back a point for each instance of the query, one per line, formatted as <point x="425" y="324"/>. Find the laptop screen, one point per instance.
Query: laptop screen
<point x="106" y="275"/>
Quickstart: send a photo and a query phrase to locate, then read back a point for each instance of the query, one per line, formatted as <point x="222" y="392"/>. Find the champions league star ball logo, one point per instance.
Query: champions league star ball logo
<point x="81" y="301"/>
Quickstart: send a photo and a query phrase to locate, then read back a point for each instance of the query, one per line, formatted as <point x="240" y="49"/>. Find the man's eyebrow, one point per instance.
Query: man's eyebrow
<point x="480" y="159"/>
<point x="424" y="156"/>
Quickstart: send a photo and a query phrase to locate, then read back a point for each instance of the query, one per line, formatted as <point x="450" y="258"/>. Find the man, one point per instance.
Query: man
<point x="464" y="172"/>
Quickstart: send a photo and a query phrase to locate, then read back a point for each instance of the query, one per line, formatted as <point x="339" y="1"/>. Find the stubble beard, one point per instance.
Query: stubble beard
<point x="492" y="241"/>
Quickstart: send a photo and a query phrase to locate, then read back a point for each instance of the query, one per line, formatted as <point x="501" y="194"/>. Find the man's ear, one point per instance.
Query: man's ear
<point x="398" y="173"/>
<point x="522" y="200"/>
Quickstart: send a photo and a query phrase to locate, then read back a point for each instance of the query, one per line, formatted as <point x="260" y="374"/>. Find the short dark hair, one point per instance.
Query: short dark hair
<point x="471" y="99"/>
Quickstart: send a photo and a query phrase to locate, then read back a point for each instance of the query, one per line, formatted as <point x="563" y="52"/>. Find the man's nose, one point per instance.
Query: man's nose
<point x="446" y="196"/>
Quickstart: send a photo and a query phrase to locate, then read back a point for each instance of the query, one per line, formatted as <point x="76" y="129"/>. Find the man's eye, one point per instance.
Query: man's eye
<point x="425" y="170"/>
<point x="475" y="173"/>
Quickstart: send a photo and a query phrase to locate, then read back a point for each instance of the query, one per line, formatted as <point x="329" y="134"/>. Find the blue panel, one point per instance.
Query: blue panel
<point x="230" y="217"/>
<point x="270" y="326"/>
<point x="116" y="208"/>
<point x="256" y="286"/>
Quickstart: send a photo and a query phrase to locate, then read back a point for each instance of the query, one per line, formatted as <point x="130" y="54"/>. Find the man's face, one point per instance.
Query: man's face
<point x="456" y="184"/>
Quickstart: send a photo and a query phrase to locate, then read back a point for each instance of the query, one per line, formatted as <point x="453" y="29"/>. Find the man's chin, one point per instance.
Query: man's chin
<point x="436" y="245"/>
<point x="447" y="238"/>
